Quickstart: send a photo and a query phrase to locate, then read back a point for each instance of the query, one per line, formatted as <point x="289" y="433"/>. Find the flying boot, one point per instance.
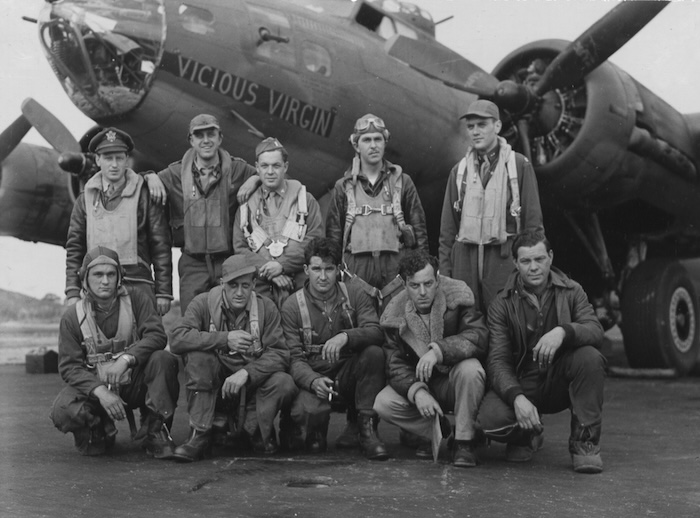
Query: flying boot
<point x="372" y="446"/>
<point x="584" y="448"/>
<point x="158" y="443"/>
<point x="349" y="437"/>
<point x="196" y="447"/>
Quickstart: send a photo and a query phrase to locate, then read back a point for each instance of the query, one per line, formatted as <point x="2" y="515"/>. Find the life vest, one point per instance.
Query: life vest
<point x="287" y="226"/>
<point x="100" y="348"/>
<point x="374" y="224"/>
<point x="116" y="229"/>
<point x="218" y="322"/>
<point x="206" y="218"/>
<point x="483" y="209"/>
<point x="307" y="328"/>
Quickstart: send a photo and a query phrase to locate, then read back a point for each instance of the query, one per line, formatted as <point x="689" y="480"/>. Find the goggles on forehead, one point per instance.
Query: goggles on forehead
<point x="364" y="124"/>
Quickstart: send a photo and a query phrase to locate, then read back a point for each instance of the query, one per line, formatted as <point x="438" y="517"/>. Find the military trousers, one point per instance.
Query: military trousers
<point x="496" y="268"/>
<point x="198" y="274"/>
<point x="205" y="373"/>
<point x="154" y="388"/>
<point x="574" y="381"/>
<point x="358" y="380"/>
<point x="461" y="391"/>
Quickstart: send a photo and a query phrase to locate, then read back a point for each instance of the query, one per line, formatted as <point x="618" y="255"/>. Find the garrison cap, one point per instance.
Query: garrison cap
<point x="239" y="265"/>
<point x="269" y="144"/>
<point x="483" y="109"/>
<point x="111" y="140"/>
<point x="203" y="121"/>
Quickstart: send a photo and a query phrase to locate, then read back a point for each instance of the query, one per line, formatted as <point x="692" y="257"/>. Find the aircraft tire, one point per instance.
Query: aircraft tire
<point x="660" y="319"/>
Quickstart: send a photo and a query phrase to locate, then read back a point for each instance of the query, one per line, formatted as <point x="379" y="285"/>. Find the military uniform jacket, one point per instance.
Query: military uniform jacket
<point x="410" y="204"/>
<point x="508" y="329"/>
<point x="363" y="331"/>
<point x="172" y="180"/>
<point x="453" y="316"/>
<point x="154" y="246"/>
<point x="72" y="353"/>
<point x="193" y="335"/>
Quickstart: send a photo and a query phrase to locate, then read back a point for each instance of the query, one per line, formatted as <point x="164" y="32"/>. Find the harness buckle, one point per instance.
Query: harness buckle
<point x="366" y="210"/>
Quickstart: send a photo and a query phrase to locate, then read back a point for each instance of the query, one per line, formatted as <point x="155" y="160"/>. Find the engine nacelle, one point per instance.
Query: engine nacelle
<point x="36" y="196"/>
<point x="608" y="141"/>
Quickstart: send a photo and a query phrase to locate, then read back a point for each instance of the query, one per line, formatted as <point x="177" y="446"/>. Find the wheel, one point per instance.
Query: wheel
<point x="660" y="320"/>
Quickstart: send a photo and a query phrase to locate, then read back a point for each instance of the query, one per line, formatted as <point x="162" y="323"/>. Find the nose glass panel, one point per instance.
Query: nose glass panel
<point x="105" y="54"/>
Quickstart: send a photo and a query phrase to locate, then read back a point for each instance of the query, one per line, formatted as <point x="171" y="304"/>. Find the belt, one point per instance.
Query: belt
<point x="92" y="359"/>
<point x="203" y="257"/>
<point x="313" y="349"/>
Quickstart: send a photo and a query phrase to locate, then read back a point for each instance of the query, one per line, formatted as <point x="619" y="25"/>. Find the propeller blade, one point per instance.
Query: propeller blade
<point x="524" y="131"/>
<point x="12" y="136"/>
<point x="49" y="127"/>
<point x="597" y="44"/>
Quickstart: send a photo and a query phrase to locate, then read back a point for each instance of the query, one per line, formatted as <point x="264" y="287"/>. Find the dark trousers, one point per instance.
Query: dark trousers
<point x="575" y="382"/>
<point x="497" y="267"/>
<point x="358" y="381"/>
<point x="197" y="275"/>
<point x="205" y="374"/>
<point x="154" y="388"/>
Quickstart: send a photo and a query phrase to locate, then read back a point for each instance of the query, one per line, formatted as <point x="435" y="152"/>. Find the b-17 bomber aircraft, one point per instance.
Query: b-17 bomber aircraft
<point x="617" y="166"/>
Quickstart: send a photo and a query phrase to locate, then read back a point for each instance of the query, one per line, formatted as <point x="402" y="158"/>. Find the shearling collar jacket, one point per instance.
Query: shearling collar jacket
<point x="456" y="328"/>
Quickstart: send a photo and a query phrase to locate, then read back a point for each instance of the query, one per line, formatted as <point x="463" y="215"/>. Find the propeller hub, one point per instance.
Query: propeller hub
<point x="514" y="97"/>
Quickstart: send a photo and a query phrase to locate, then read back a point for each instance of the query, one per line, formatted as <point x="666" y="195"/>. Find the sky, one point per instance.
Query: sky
<point x="663" y="57"/>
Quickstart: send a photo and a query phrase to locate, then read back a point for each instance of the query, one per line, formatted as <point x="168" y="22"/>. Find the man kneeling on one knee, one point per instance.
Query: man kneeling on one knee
<point x="543" y="358"/>
<point x="333" y="333"/>
<point x="435" y="339"/>
<point x="232" y="341"/>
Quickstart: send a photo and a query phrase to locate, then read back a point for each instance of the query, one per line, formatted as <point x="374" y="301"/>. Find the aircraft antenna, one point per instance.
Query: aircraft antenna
<point x="251" y="129"/>
<point x="444" y="19"/>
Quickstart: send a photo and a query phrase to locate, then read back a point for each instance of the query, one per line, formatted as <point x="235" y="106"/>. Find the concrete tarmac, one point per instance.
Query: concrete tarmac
<point x="650" y="447"/>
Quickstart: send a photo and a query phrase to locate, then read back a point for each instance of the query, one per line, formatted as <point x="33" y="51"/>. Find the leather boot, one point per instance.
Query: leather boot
<point x="349" y="437"/>
<point x="266" y="447"/>
<point x="464" y="454"/>
<point x="291" y="434"/>
<point x="158" y="442"/>
<point x="97" y="439"/>
<point x="372" y="446"/>
<point x="584" y="448"/>
<point x="195" y="448"/>
<point x="316" y="438"/>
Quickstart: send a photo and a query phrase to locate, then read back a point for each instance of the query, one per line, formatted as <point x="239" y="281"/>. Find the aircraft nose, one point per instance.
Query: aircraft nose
<point x="104" y="54"/>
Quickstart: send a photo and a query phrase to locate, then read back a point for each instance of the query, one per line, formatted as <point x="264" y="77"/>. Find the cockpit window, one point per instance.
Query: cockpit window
<point x="316" y="59"/>
<point x="386" y="28"/>
<point x="195" y="19"/>
<point x="387" y="17"/>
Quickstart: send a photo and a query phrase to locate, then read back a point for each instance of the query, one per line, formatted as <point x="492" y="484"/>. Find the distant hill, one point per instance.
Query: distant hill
<point x="23" y="308"/>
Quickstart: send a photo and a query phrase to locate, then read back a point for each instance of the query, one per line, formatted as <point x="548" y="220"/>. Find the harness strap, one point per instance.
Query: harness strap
<point x="305" y="319"/>
<point x="512" y="171"/>
<point x="93" y="335"/>
<point x="515" y="207"/>
<point x="307" y="329"/>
